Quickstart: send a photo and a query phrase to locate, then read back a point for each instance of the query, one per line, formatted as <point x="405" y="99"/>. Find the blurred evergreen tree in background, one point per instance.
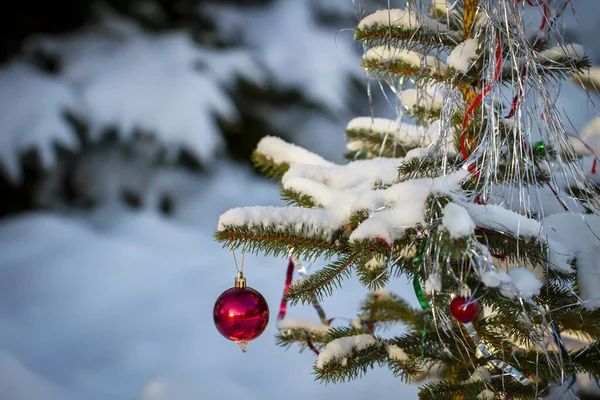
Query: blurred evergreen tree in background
<point x="129" y="101"/>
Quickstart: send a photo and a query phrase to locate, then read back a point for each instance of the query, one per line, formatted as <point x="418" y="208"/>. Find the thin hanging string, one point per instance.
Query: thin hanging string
<point x="239" y="270"/>
<point x="235" y="262"/>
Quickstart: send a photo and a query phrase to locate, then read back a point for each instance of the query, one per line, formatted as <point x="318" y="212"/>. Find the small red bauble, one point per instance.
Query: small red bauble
<point x="463" y="310"/>
<point x="241" y="313"/>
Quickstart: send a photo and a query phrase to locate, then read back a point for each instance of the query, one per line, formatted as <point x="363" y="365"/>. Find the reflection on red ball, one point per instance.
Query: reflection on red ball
<point x="463" y="310"/>
<point x="241" y="314"/>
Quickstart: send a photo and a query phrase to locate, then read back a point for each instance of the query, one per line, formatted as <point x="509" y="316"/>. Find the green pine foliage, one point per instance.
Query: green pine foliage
<point x="522" y="332"/>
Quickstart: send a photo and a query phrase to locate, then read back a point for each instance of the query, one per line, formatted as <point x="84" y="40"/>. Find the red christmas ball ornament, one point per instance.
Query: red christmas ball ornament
<point x="241" y="313"/>
<point x="463" y="310"/>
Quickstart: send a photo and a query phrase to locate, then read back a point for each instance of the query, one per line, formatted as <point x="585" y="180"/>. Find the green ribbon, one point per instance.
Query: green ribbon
<point x="418" y="258"/>
<point x="423" y="301"/>
<point x="417" y="261"/>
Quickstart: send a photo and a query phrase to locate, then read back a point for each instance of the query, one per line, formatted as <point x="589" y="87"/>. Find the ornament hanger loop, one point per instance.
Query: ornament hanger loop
<point x="240" y="281"/>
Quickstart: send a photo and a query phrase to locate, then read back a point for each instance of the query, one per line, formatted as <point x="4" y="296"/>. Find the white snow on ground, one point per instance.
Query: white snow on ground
<point x="118" y="306"/>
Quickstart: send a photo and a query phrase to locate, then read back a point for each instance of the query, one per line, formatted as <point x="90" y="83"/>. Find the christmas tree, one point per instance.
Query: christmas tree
<point x="481" y="201"/>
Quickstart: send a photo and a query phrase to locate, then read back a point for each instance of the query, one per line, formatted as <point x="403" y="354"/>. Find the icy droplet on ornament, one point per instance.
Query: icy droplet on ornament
<point x="243" y="346"/>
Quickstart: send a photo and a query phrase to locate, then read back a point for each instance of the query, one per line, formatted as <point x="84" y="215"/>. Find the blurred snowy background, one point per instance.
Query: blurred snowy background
<point x="126" y="129"/>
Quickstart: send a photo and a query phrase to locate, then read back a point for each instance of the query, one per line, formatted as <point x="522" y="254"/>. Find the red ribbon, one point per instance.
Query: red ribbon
<point x="310" y="344"/>
<point x="484" y="92"/>
<point x="544" y="10"/>
<point x="288" y="282"/>
<point x="593" y="171"/>
<point x="382" y="240"/>
<point x="515" y="101"/>
<point x="283" y="307"/>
